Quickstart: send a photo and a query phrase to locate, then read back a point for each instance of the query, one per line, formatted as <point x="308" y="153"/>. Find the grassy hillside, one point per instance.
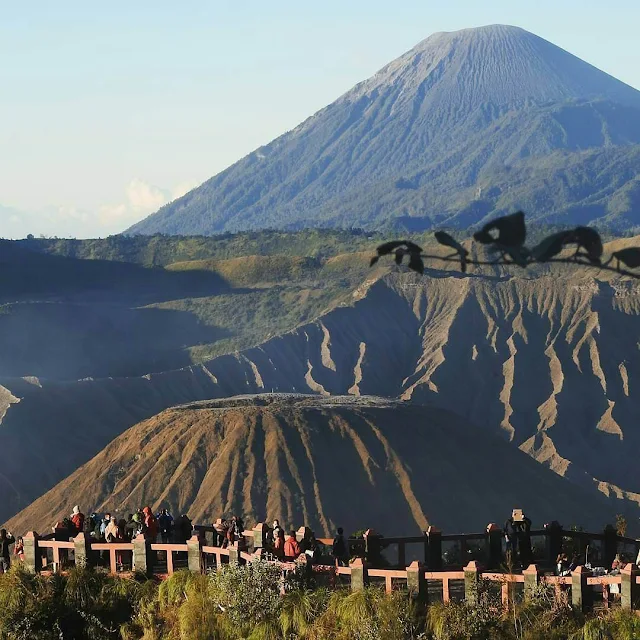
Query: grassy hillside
<point x="64" y="317"/>
<point x="160" y="250"/>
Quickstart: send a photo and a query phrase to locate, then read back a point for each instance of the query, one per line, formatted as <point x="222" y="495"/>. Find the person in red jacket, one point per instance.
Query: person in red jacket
<point x="151" y="524"/>
<point x="291" y="547"/>
<point x="77" y="519"/>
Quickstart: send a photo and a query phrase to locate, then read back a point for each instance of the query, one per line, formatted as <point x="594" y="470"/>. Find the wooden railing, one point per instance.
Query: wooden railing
<point x="161" y="560"/>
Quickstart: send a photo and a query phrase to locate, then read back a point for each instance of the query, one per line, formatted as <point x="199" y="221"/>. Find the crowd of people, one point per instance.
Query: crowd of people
<point x="288" y="548"/>
<point x="161" y="527"/>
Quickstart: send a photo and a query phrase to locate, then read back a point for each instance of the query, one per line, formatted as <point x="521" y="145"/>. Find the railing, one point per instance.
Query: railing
<point x="161" y="560"/>
<point x="436" y="550"/>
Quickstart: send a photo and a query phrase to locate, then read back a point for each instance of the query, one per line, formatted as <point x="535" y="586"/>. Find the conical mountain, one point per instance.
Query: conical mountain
<point x="465" y="125"/>
<point x="323" y="462"/>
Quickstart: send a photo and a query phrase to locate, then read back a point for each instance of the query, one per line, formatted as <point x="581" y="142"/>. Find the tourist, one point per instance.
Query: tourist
<point x="182" y="529"/>
<point x="562" y="565"/>
<point x="6" y="539"/>
<point x="111" y="530"/>
<point x="77" y="520"/>
<point x="18" y="549"/>
<point x="165" y="525"/>
<point x="106" y="520"/>
<point x="291" y="547"/>
<point x="339" y="549"/>
<point x="278" y="545"/>
<point x="238" y="527"/>
<point x="511" y="538"/>
<point x="219" y="532"/>
<point x="151" y="524"/>
<point x="276" y="530"/>
<point x="135" y="526"/>
<point x="524" y="541"/>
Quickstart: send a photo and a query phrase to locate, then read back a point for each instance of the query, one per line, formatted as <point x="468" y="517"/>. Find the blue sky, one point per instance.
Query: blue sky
<point x="109" y="110"/>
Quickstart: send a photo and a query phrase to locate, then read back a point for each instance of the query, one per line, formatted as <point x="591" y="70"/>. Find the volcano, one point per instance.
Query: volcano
<point x="464" y="126"/>
<point x="323" y="462"/>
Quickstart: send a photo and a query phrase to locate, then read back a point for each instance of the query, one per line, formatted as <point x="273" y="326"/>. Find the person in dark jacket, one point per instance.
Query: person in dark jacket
<point x="165" y="526"/>
<point x="511" y="538"/>
<point x="339" y="549"/>
<point x="6" y="539"/>
<point x="182" y="529"/>
<point x="524" y="542"/>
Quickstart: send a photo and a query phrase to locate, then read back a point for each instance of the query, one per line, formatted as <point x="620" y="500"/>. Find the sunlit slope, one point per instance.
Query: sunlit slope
<point x="351" y="462"/>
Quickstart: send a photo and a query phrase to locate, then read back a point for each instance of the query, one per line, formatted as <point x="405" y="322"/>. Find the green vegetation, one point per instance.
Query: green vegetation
<point x="161" y="250"/>
<point x="244" y="602"/>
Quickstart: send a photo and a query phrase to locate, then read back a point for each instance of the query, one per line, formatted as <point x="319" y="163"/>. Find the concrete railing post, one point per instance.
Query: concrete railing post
<point x="629" y="589"/>
<point x="552" y="542"/>
<point x="141" y="555"/>
<point x="32" y="557"/>
<point x="194" y="554"/>
<point x="494" y="546"/>
<point x="531" y="581"/>
<point x="416" y="581"/>
<point x="581" y="593"/>
<point x="610" y="546"/>
<point x="234" y="553"/>
<point x="82" y="551"/>
<point x="433" y="549"/>
<point x="471" y="582"/>
<point x="260" y="536"/>
<point x="359" y="576"/>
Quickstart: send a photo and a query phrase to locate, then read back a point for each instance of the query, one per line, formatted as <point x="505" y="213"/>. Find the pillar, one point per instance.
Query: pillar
<point x="494" y="546"/>
<point x="359" y="577"/>
<point x="32" y="557"/>
<point x="194" y="554"/>
<point x="610" y="545"/>
<point x="553" y="542"/>
<point x="141" y="557"/>
<point x="416" y="581"/>
<point x="234" y="553"/>
<point x="260" y="536"/>
<point x="471" y="580"/>
<point x="581" y="594"/>
<point x="433" y="549"/>
<point x="531" y="580"/>
<point x="82" y="550"/>
<point x="629" y="589"/>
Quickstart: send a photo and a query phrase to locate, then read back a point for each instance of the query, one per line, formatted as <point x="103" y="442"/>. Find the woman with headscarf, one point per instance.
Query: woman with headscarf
<point x="77" y="520"/>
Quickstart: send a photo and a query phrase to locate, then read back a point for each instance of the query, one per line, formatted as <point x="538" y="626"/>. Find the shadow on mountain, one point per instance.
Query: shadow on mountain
<point x="65" y="318"/>
<point x="26" y="274"/>
<point x="71" y="341"/>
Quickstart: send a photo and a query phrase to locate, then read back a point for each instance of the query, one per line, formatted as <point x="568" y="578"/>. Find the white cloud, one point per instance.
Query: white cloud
<point x="143" y="197"/>
<point x="140" y="199"/>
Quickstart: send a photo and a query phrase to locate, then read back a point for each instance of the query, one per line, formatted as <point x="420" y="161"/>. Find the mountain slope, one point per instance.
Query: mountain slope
<point x="435" y="137"/>
<point x="548" y="361"/>
<point x="352" y="462"/>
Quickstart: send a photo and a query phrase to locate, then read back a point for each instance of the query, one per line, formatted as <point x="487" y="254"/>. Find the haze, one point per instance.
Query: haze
<point x="109" y="111"/>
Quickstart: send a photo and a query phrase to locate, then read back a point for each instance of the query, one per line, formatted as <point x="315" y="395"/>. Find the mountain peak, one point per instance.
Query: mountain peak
<point x="501" y="65"/>
<point x="448" y="120"/>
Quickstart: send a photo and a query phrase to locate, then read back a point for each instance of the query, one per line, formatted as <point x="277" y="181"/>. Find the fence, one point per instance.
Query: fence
<point x="427" y="580"/>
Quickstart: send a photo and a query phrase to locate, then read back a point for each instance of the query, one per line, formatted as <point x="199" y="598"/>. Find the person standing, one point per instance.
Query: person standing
<point x="165" y="524"/>
<point x="278" y="545"/>
<point x="511" y="538"/>
<point x="6" y="539"/>
<point x="524" y="541"/>
<point x="150" y="524"/>
<point x="339" y="549"/>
